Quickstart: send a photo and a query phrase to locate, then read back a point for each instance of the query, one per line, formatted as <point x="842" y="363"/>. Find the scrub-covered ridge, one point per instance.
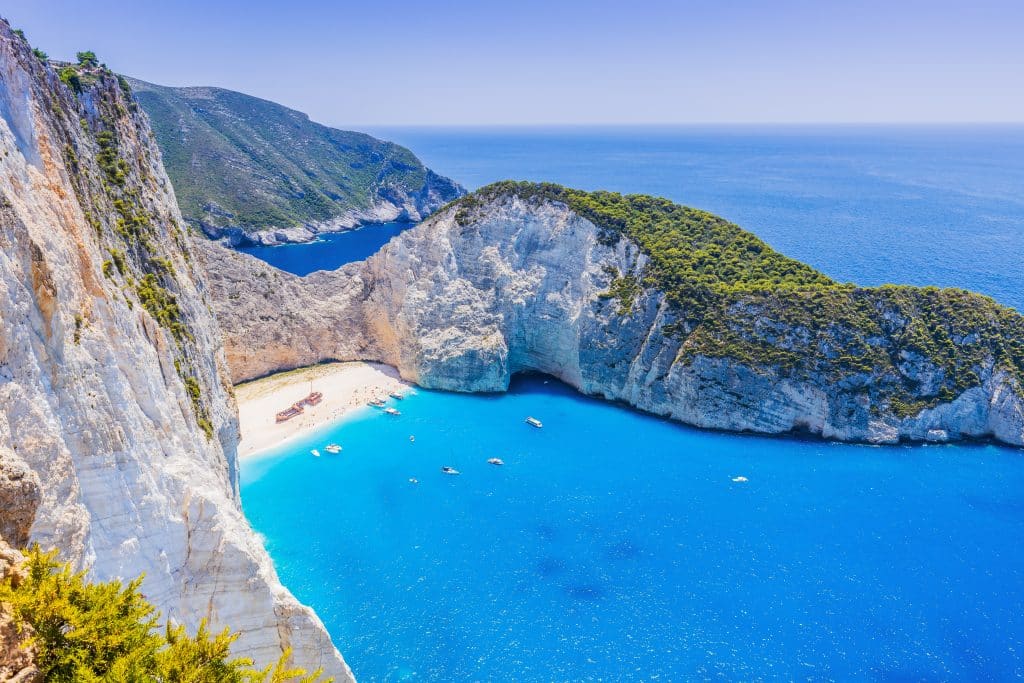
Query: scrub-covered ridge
<point x="257" y="172"/>
<point x="735" y="297"/>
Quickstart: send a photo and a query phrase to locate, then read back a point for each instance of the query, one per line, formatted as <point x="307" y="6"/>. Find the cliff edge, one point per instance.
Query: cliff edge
<point x="118" y="427"/>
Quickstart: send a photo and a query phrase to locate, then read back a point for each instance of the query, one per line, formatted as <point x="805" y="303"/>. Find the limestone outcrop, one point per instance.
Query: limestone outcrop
<point x="117" y="418"/>
<point x="501" y="283"/>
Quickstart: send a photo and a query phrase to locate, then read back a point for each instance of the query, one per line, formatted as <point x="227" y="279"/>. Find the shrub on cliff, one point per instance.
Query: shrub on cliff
<point x="108" y="632"/>
<point x="87" y="59"/>
<point x="69" y="75"/>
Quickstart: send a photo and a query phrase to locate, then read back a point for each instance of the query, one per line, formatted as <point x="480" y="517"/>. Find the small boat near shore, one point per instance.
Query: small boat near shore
<point x="449" y="470"/>
<point x="376" y="403"/>
<point x="315" y="452"/>
<point x="332" y="448"/>
<point x="392" y="411"/>
<point x="397" y="394"/>
<point x="495" y="461"/>
<point x="534" y="422"/>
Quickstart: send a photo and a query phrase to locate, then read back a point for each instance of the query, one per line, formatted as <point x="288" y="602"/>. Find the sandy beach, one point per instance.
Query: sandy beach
<point x="345" y="386"/>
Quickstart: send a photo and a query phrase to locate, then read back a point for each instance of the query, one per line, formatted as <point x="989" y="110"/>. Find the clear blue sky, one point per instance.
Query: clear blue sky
<point x="388" y="62"/>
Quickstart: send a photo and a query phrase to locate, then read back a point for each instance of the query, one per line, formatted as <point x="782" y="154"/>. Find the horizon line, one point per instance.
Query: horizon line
<point x="680" y="124"/>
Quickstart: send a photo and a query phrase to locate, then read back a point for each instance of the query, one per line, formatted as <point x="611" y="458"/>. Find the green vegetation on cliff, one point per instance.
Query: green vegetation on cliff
<point x="141" y="243"/>
<point x="730" y="295"/>
<point x="240" y="161"/>
<point x="107" y="631"/>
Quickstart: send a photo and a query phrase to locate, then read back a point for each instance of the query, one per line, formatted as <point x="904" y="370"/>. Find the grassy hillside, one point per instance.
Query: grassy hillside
<point x="237" y="160"/>
<point x="731" y="295"/>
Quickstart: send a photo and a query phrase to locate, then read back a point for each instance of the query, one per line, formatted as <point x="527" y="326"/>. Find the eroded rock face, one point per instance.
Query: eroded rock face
<point x="116" y="411"/>
<point x="463" y="304"/>
<point x="19" y="498"/>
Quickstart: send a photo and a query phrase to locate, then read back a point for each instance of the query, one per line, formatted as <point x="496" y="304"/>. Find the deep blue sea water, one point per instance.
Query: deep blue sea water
<point x="941" y="205"/>
<point x="330" y="250"/>
<point x="912" y="205"/>
<point x="615" y="546"/>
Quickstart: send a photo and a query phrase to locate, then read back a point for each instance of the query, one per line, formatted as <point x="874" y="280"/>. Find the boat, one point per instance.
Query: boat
<point x="449" y="470"/>
<point x="413" y="480"/>
<point x="395" y="394"/>
<point x="376" y="403"/>
<point x="495" y="461"/>
<point x="412" y="439"/>
<point x="332" y="448"/>
<point x="391" y="411"/>
<point x="534" y="422"/>
<point x="315" y="452"/>
<point x="740" y="479"/>
<point x="289" y="413"/>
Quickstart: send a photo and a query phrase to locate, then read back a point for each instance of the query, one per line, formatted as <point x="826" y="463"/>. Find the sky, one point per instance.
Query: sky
<point x="529" y="62"/>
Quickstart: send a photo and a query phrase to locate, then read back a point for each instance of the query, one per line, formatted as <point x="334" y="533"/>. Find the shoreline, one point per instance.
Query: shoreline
<point x="346" y="387"/>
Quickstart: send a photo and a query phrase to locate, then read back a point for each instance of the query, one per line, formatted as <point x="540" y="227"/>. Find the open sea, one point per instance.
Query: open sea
<point x="616" y="546"/>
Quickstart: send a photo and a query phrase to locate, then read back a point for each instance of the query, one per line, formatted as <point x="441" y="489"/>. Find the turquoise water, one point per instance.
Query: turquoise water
<point x="616" y="546"/>
<point x="330" y="251"/>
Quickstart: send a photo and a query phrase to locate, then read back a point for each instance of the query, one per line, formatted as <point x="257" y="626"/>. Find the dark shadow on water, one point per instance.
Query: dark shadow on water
<point x="529" y="382"/>
<point x="551" y="566"/>
<point x="584" y="591"/>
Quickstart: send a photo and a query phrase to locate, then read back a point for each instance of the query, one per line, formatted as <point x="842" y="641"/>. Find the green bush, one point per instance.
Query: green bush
<point x="87" y="59"/>
<point x="69" y="75"/>
<point x="90" y="632"/>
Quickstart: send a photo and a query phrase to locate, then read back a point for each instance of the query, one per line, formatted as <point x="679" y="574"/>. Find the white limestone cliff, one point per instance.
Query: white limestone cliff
<point x="463" y="304"/>
<point x="116" y="407"/>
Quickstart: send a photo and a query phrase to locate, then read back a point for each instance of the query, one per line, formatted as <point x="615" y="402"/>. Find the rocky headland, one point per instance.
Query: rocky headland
<point x="249" y="171"/>
<point x="635" y="299"/>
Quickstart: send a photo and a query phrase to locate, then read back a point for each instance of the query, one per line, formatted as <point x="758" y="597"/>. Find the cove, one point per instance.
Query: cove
<point x="614" y="545"/>
<point x="330" y="251"/>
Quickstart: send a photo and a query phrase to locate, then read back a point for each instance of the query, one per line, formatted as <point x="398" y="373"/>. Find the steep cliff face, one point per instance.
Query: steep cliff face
<point x="253" y="171"/>
<point x="514" y="279"/>
<point x="116" y="413"/>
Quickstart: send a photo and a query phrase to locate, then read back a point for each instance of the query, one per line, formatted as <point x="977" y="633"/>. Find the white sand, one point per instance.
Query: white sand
<point x="345" y="386"/>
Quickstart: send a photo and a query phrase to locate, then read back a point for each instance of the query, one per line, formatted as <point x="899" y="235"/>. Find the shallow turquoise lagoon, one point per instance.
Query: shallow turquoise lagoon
<point x="616" y="546"/>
